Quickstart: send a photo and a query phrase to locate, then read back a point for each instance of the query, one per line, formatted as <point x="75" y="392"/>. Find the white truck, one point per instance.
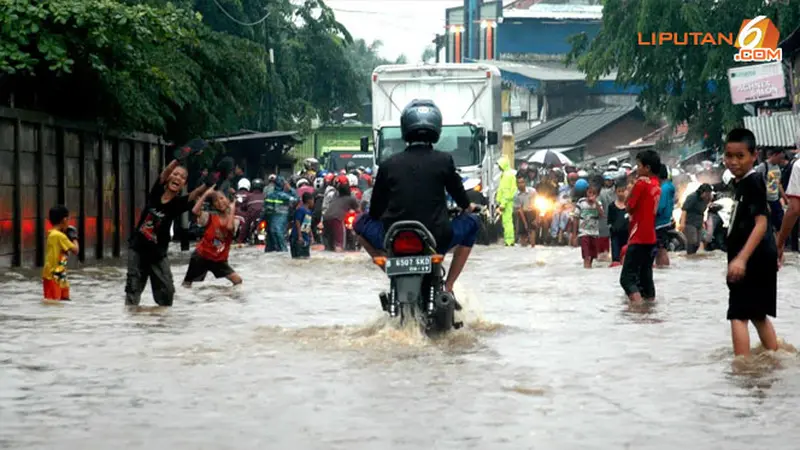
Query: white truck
<point x="469" y="96"/>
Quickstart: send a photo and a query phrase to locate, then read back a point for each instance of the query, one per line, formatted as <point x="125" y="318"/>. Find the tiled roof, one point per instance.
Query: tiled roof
<point x="524" y="138"/>
<point x="776" y="130"/>
<point x="578" y="127"/>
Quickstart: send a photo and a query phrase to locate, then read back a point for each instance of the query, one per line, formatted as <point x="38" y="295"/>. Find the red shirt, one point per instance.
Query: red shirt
<point x="643" y="204"/>
<point x="216" y="241"/>
<point x="356" y="192"/>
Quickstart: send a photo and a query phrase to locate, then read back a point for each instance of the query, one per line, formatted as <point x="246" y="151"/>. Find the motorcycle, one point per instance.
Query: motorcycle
<point x="351" y="243"/>
<point x="258" y="235"/>
<point x="717" y="223"/>
<point x="416" y="279"/>
<point x="544" y="208"/>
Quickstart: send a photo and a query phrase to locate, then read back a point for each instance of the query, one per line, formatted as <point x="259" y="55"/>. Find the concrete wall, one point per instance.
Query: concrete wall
<point x="622" y="132"/>
<point x="102" y="179"/>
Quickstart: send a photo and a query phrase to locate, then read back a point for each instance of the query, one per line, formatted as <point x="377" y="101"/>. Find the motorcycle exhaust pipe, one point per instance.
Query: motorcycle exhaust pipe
<point x="444" y="300"/>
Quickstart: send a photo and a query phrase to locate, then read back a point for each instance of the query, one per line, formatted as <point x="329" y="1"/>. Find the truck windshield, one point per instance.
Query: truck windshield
<point x="458" y="140"/>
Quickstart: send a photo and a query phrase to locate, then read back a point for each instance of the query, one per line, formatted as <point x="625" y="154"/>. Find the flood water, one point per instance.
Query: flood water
<point x="299" y="358"/>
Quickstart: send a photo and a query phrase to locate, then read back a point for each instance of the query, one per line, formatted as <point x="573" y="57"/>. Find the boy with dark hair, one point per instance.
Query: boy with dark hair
<point x="211" y="253"/>
<point x="300" y="245"/>
<point x="664" y="222"/>
<point x="771" y="170"/>
<point x="147" y="255"/>
<point x="586" y="230"/>
<point x="61" y="240"/>
<point x="752" y="254"/>
<point x="636" y="277"/>
<point x="692" y="217"/>
<point x="618" y="223"/>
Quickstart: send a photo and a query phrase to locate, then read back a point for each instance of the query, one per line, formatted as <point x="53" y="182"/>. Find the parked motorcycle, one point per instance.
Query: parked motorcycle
<point x="416" y="279"/>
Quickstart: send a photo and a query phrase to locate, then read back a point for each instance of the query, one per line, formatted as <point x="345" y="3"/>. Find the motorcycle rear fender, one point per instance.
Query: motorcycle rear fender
<point x="407" y="288"/>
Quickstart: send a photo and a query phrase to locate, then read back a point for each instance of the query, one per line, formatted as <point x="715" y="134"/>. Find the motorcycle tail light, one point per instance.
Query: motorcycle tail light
<point x="349" y="219"/>
<point x="262" y="225"/>
<point x="407" y="243"/>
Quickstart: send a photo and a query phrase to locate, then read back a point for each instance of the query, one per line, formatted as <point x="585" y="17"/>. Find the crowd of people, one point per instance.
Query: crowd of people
<point x="624" y="210"/>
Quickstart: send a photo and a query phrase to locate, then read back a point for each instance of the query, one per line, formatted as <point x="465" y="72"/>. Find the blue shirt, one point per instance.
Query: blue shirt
<point x="666" y="204"/>
<point x="302" y="215"/>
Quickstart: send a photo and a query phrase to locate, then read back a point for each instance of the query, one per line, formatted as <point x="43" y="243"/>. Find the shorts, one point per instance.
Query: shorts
<point x="776" y="215"/>
<point x="519" y="226"/>
<point x="199" y="267"/>
<point x="465" y="232"/>
<point x="589" y="247"/>
<point x="663" y="237"/>
<point x="603" y="244"/>
<point x="53" y="290"/>
<point x="755" y="296"/>
<point x="299" y="250"/>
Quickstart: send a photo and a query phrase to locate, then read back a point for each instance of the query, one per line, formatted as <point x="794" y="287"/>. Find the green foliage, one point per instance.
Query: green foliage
<point x="180" y="68"/>
<point x="364" y="58"/>
<point x="675" y="78"/>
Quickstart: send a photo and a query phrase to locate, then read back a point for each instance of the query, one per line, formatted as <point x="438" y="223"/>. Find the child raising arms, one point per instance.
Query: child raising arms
<point x="211" y="253"/>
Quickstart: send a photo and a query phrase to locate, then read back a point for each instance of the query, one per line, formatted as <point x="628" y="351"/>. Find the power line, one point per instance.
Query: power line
<point x="239" y="21"/>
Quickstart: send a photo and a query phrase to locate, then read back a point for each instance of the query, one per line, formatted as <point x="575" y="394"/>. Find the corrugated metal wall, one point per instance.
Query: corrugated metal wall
<point x="102" y="179"/>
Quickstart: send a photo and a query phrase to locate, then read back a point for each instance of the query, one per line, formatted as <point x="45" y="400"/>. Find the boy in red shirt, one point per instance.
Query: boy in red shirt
<point x="211" y="253"/>
<point x="636" y="277"/>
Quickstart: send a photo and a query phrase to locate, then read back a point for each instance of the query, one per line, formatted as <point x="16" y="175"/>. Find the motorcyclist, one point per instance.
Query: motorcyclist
<point x="505" y="198"/>
<point x="355" y="189"/>
<point x="411" y="185"/>
<point x="243" y="190"/>
<point x="252" y="209"/>
<point x="334" y="217"/>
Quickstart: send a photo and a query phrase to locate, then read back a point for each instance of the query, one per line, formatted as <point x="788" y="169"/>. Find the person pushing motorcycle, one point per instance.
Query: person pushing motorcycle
<point x="411" y="185"/>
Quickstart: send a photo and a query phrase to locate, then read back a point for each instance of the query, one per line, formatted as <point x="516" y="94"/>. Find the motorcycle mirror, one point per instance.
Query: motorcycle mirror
<point x="491" y="137"/>
<point x="365" y="144"/>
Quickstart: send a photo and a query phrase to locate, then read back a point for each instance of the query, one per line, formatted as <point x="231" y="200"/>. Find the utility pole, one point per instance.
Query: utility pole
<point x="472" y="18"/>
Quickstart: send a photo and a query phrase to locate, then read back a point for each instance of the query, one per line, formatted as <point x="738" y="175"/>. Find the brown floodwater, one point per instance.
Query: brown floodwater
<point x="301" y="357"/>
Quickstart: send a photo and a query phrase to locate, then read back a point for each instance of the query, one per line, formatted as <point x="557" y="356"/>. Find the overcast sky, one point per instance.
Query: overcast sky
<point x="404" y="26"/>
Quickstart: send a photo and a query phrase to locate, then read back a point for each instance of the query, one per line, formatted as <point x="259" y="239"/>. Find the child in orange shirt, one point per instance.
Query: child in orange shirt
<point x="61" y="240"/>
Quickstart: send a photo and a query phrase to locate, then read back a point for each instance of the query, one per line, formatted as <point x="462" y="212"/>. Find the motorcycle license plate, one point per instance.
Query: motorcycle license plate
<point x="261" y="237"/>
<point x="409" y="265"/>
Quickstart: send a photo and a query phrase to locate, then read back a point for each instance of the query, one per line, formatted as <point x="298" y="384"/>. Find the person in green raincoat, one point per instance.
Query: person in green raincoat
<point x="505" y="198"/>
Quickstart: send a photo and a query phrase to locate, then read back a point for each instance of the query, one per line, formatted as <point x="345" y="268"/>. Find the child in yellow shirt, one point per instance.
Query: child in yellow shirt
<point x="61" y="240"/>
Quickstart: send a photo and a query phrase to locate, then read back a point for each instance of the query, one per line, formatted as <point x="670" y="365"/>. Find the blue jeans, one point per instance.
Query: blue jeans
<point x="465" y="232"/>
<point x="277" y="233"/>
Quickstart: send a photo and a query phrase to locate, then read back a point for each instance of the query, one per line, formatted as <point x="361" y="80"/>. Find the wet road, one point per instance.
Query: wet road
<point x="299" y="358"/>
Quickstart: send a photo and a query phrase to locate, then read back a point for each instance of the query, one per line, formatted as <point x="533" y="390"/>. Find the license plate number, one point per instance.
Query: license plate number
<point x="408" y="265"/>
<point x="261" y="237"/>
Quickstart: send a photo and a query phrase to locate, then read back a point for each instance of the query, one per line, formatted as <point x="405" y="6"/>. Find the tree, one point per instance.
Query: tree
<point x="179" y="68"/>
<point x="684" y="83"/>
<point x="429" y="55"/>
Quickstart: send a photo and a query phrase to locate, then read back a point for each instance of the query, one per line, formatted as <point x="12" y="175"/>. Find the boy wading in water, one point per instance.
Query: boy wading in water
<point x="636" y="277"/>
<point x="61" y="240"/>
<point x="588" y="212"/>
<point x="618" y="224"/>
<point x="752" y="253"/>
<point x="211" y="253"/>
<point x="147" y="255"/>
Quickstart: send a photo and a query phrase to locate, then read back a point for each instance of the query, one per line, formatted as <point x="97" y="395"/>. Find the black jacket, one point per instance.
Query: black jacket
<point x="411" y="185"/>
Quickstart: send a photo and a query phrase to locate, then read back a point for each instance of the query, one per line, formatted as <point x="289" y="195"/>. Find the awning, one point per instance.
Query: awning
<point x="777" y="130"/>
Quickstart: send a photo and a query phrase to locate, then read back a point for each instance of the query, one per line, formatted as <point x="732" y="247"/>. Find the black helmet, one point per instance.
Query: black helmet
<point x="350" y="166"/>
<point x="421" y="121"/>
<point x="257" y="185"/>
